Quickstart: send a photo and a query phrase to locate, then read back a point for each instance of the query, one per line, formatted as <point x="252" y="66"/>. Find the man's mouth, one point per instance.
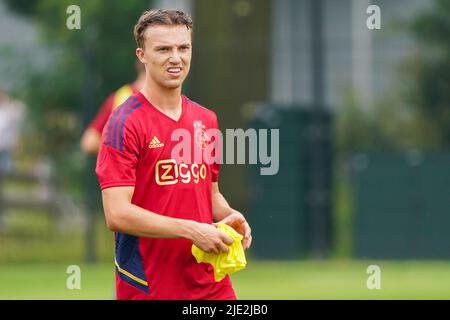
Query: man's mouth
<point x="174" y="70"/>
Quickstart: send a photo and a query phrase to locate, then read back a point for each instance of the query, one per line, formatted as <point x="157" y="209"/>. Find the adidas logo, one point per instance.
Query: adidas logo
<point x="155" y="143"/>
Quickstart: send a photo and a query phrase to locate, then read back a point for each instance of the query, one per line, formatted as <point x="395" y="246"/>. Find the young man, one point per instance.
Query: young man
<point x="157" y="205"/>
<point x="90" y="141"/>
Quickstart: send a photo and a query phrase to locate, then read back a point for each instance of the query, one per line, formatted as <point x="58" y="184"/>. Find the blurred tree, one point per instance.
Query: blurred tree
<point x="390" y="125"/>
<point x="102" y="51"/>
<point x="229" y="71"/>
<point x="416" y="113"/>
<point x="429" y="70"/>
<point x="25" y="7"/>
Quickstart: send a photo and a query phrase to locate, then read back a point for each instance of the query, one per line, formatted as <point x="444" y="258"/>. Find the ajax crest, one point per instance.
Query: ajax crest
<point x="201" y="138"/>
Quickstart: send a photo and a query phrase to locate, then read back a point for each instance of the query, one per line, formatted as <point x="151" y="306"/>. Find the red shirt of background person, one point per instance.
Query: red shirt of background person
<point x="90" y="140"/>
<point x="158" y="206"/>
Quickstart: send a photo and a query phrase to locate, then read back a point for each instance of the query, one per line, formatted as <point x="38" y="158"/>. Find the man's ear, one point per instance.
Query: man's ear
<point x="140" y="54"/>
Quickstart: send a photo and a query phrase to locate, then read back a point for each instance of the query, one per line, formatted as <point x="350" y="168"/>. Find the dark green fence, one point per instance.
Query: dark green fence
<point x="402" y="205"/>
<point x="279" y="206"/>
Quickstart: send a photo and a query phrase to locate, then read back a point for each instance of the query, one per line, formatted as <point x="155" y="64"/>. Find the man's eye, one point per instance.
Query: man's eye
<point x="162" y="49"/>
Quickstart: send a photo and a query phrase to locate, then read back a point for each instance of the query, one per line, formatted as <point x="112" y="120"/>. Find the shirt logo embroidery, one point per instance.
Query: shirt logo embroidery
<point x="169" y="172"/>
<point x="155" y="143"/>
<point x="200" y="137"/>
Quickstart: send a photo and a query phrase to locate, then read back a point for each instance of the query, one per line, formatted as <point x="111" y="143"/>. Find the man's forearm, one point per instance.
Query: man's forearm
<point x="221" y="208"/>
<point x="134" y="220"/>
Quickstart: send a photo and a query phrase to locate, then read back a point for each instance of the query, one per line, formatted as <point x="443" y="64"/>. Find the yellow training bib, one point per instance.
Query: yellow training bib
<point x="224" y="263"/>
<point x="121" y="95"/>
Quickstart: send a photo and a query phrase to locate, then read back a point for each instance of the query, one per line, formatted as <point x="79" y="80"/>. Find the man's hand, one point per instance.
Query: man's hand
<point x="208" y="238"/>
<point x="237" y="221"/>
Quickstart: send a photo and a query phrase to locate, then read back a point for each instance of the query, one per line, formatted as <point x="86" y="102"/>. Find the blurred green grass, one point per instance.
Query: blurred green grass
<point x="333" y="279"/>
<point x="35" y="237"/>
<point x="35" y="254"/>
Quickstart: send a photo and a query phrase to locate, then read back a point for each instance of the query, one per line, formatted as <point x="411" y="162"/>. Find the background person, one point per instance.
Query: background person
<point x="11" y="119"/>
<point x="90" y="140"/>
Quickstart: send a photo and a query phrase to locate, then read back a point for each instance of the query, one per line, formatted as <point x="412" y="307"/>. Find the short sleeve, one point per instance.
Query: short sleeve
<point x="119" y="153"/>
<point x="215" y="167"/>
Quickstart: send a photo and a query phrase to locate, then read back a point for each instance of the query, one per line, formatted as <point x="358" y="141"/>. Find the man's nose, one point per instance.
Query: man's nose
<point x="175" y="56"/>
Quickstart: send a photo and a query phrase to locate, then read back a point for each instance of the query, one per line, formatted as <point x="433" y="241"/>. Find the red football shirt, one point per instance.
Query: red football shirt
<point x="136" y="151"/>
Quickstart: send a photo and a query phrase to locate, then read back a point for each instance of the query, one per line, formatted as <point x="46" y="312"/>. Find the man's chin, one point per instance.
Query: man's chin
<point x="172" y="85"/>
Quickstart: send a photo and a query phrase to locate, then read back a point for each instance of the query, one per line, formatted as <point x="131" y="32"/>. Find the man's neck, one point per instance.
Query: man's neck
<point x="166" y="100"/>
